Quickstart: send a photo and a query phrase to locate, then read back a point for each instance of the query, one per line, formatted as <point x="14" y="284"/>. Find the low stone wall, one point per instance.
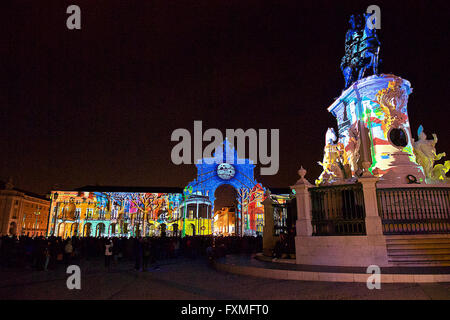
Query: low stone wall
<point x="409" y="275"/>
<point x="360" y="251"/>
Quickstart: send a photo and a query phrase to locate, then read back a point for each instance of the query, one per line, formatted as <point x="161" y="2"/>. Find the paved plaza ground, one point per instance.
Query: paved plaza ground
<point x="192" y="279"/>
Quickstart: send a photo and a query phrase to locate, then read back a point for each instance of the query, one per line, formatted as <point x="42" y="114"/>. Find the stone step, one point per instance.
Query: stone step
<point x="417" y="241"/>
<point x="413" y="272"/>
<point x="408" y="246"/>
<point x="417" y="251"/>
<point x="418" y="236"/>
<point x="443" y="263"/>
<point x="420" y="257"/>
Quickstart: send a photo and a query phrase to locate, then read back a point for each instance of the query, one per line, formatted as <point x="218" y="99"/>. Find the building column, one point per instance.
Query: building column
<point x="197" y="222"/>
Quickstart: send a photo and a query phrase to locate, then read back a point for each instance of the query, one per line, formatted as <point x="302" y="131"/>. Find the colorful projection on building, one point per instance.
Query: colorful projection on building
<point x="115" y="214"/>
<point x="127" y="214"/>
<point x="228" y="168"/>
<point x="190" y="212"/>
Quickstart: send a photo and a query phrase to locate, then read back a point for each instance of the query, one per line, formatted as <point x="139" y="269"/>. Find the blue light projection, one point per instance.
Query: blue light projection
<point x="224" y="168"/>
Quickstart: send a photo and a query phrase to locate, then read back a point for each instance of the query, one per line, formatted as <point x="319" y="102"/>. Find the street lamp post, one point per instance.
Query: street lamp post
<point x="36" y="213"/>
<point x="55" y="197"/>
<point x="23" y="224"/>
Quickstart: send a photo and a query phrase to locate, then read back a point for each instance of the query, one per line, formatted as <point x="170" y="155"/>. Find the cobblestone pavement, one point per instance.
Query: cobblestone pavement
<point x="192" y="279"/>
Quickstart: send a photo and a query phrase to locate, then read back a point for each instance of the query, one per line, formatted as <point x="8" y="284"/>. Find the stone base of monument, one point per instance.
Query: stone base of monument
<point x="403" y="171"/>
<point x="285" y="258"/>
<point x="355" y="251"/>
<point x="247" y="265"/>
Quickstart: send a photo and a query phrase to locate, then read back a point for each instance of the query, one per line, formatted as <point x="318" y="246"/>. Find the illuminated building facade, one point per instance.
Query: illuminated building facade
<point x="22" y="212"/>
<point x="225" y="221"/>
<point x="140" y="211"/>
<point x="197" y="213"/>
<point x="115" y="211"/>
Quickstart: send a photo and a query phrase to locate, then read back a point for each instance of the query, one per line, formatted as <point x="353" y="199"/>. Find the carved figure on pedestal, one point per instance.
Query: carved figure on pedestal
<point x="353" y="146"/>
<point x="440" y="171"/>
<point x="334" y="159"/>
<point x="425" y="152"/>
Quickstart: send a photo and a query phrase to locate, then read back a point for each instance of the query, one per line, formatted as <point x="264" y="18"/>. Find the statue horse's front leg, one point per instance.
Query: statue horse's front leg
<point x="374" y="61"/>
<point x="348" y="76"/>
<point x="361" y="72"/>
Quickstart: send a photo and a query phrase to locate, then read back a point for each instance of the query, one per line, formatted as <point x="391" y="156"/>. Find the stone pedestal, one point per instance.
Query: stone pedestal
<point x="401" y="168"/>
<point x="376" y="241"/>
<point x="360" y="251"/>
<point x="269" y="239"/>
<point x="373" y="126"/>
<point x="303" y="224"/>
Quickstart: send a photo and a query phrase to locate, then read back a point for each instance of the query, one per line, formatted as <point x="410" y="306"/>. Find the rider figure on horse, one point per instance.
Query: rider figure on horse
<point x="361" y="49"/>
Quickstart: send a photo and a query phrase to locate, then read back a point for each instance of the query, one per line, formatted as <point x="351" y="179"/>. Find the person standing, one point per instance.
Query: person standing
<point x="115" y="251"/>
<point x="46" y="255"/>
<point x="68" y="250"/>
<point x="145" y="254"/>
<point x="108" y="253"/>
<point x="138" y="253"/>
<point x="176" y="247"/>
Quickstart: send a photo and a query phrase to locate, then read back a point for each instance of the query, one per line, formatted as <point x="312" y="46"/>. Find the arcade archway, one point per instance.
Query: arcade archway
<point x="87" y="229"/>
<point x="61" y="230"/>
<point x="74" y="229"/>
<point x="225" y="168"/>
<point x="226" y="204"/>
<point x="112" y="229"/>
<point x="13" y="228"/>
<point x="100" y="230"/>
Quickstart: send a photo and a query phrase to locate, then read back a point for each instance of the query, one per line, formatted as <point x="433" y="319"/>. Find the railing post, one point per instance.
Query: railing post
<point x="268" y="231"/>
<point x="373" y="220"/>
<point x="303" y="224"/>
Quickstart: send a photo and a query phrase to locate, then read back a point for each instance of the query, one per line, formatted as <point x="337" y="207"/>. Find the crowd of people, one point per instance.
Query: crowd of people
<point x="48" y="253"/>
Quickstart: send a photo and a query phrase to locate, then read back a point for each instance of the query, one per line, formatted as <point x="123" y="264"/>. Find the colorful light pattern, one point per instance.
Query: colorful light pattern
<point x="115" y="213"/>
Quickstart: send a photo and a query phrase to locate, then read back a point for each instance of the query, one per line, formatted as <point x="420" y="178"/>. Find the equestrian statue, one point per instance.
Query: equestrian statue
<point x="362" y="49"/>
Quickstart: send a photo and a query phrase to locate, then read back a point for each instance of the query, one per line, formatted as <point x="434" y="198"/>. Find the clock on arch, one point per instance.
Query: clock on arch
<point x="225" y="171"/>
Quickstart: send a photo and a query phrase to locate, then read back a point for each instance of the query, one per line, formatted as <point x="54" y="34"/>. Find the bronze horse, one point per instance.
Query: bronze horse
<point x="362" y="49"/>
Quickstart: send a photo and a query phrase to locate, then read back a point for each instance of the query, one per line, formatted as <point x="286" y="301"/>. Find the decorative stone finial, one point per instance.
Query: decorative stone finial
<point x="302" y="172"/>
<point x="366" y="172"/>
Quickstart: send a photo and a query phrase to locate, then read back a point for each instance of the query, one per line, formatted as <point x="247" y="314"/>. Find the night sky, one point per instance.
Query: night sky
<point x="98" y="105"/>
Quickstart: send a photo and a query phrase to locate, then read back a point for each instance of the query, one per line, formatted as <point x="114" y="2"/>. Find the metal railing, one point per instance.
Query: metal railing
<point x="414" y="210"/>
<point x="279" y="219"/>
<point x="338" y="210"/>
